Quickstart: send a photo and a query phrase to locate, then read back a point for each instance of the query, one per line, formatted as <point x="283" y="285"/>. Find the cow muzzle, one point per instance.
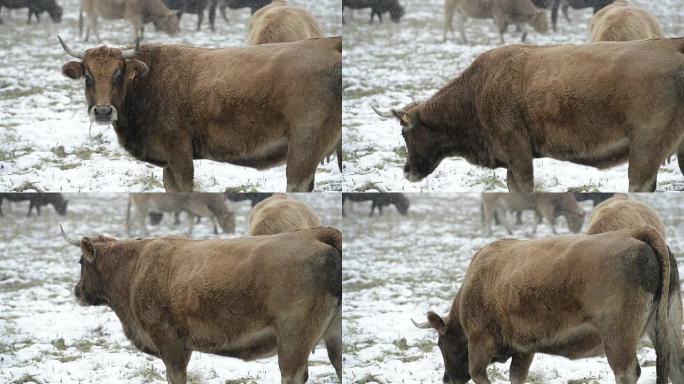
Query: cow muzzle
<point x="103" y="114"/>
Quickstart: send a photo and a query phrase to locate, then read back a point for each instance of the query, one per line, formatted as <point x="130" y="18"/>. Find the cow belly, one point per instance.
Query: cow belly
<point x="257" y="345"/>
<point x="599" y="154"/>
<point x="266" y="156"/>
<point x="576" y="343"/>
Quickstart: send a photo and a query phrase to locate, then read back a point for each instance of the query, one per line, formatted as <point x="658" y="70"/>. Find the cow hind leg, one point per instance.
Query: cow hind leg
<point x="333" y="343"/>
<point x="520" y="366"/>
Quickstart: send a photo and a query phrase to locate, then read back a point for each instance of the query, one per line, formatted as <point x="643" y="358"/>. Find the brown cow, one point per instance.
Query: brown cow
<point x="280" y="213"/>
<point x="280" y="23"/>
<point x="257" y="106"/>
<point x="623" y="22"/>
<point x="622" y="211"/>
<point x="574" y="296"/>
<point x="503" y="12"/>
<point x="545" y="205"/>
<point x="137" y="12"/>
<point x="517" y="103"/>
<point x="198" y="205"/>
<point x="247" y="298"/>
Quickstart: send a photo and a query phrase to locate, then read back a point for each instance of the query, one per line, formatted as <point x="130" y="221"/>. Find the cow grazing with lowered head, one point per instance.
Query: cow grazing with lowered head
<point x="35" y="8"/>
<point x="623" y="22"/>
<point x="575" y="296"/>
<point x="378" y="7"/>
<point x="247" y="298"/>
<point x="281" y="213"/>
<point x="137" y="12"/>
<point x="379" y="200"/>
<point x="503" y="12"/>
<point x="545" y="205"/>
<point x="517" y="103"/>
<point x="258" y="106"/>
<point x="196" y="205"/>
<point x="196" y="7"/>
<point x="281" y="23"/>
<point x="37" y="200"/>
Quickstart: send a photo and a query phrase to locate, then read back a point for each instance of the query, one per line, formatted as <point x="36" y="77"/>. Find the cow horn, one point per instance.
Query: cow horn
<point x="424" y="325"/>
<point x="69" y="51"/>
<point x="386" y="115"/>
<point x="130" y="55"/>
<point x="69" y="240"/>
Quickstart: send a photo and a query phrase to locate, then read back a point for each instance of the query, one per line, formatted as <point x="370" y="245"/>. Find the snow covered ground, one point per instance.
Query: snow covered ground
<point x="391" y="65"/>
<point x="47" y="337"/>
<point x="397" y="268"/>
<point x="45" y="134"/>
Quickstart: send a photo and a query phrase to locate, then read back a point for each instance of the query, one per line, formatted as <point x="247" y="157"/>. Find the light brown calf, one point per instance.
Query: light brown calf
<point x="503" y="12"/>
<point x="137" y="12"/>
<point x="545" y="205"/>
<point x="573" y="296"/>
<point x="623" y="22"/>
<point x="246" y="298"/>
<point x="211" y="205"/>
<point x="280" y="213"/>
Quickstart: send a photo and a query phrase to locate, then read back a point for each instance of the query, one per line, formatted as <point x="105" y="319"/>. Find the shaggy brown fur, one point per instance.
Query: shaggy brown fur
<point x="623" y="22"/>
<point x="622" y="211"/>
<point x="545" y="205"/>
<point x="246" y="298"/>
<point x="574" y="296"/>
<point x="280" y="213"/>
<point x="257" y="106"/>
<point x="517" y="103"/>
<point x="503" y="12"/>
<point x="280" y="23"/>
<point x="137" y="12"/>
<point x="210" y="205"/>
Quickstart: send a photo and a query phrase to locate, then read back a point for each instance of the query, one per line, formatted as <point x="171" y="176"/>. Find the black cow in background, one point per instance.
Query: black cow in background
<point x="35" y="7"/>
<point x="253" y="5"/>
<point x="595" y="197"/>
<point x="37" y="200"/>
<point x="196" y="7"/>
<point x="379" y="200"/>
<point x="564" y="4"/>
<point x="378" y="7"/>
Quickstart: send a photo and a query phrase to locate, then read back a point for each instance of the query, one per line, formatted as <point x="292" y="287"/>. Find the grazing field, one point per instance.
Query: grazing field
<point x="398" y="268"/>
<point x="46" y="138"/>
<point x="391" y="65"/>
<point x="47" y="337"/>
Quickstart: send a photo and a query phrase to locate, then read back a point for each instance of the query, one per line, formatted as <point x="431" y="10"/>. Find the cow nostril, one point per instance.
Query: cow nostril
<point x="103" y="111"/>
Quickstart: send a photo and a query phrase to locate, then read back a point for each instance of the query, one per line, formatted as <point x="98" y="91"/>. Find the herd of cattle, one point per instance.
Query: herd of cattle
<point x="571" y="102"/>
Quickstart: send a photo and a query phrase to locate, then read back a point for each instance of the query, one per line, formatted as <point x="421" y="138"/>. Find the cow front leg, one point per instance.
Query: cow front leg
<point x="176" y="361"/>
<point x="481" y="348"/>
<point x="644" y="162"/>
<point x="520" y="366"/>
<point x="461" y="26"/>
<point x="178" y="176"/>
<point x="448" y="19"/>
<point x="300" y="171"/>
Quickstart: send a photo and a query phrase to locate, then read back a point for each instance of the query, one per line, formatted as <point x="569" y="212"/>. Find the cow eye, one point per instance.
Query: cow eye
<point x="118" y="78"/>
<point x="89" y="81"/>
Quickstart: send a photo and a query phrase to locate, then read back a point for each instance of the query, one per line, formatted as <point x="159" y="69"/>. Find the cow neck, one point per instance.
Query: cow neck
<point x="130" y="127"/>
<point x="452" y="110"/>
<point x="116" y="270"/>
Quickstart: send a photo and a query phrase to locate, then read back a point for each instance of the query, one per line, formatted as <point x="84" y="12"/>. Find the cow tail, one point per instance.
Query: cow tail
<point x="651" y="237"/>
<point x="330" y="236"/>
<point x="338" y="153"/>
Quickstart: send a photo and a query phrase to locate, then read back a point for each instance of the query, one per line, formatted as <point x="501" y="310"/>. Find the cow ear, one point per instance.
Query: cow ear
<point x="88" y="250"/>
<point x="405" y="118"/>
<point x="437" y="322"/>
<point x="73" y="70"/>
<point x="136" y="69"/>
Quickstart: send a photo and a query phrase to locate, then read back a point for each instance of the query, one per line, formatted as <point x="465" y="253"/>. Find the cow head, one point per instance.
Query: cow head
<point x="55" y="11"/>
<point x="540" y="22"/>
<point x="453" y="344"/>
<point x="168" y="22"/>
<point x="89" y="290"/>
<point x="396" y="12"/>
<point x="401" y="203"/>
<point x="108" y="72"/>
<point x="227" y="221"/>
<point x="575" y="220"/>
<point x="61" y="207"/>
<point x="426" y="146"/>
